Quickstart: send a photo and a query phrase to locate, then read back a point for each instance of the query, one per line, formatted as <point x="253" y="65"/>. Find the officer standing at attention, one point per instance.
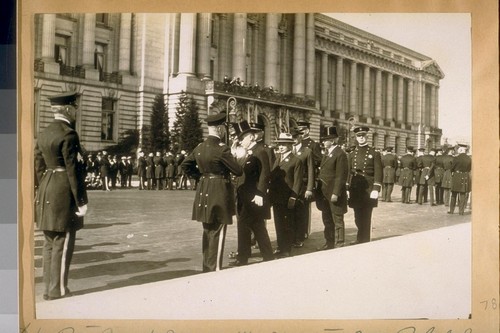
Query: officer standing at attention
<point x="460" y="179"/>
<point x="364" y="183"/>
<point x="389" y="163"/>
<point x="212" y="162"/>
<point x="408" y="164"/>
<point x="438" y="176"/>
<point x="426" y="181"/>
<point x="61" y="199"/>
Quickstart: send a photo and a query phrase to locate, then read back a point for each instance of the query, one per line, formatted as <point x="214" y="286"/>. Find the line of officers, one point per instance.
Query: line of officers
<point x="157" y="172"/>
<point x="244" y="177"/>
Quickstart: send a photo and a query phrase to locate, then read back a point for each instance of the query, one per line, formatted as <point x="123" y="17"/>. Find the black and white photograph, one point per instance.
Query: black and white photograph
<point x="209" y="166"/>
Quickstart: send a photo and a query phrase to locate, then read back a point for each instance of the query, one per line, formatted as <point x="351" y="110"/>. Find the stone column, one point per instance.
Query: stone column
<point x="88" y="41"/>
<point x="352" y="98"/>
<point x="299" y="55"/>
<point x="378" y="94"/>
<point x="256" y="65"/>
<point x="400" y="111"/>
<point x="125" y="37"/>
<point x="48" y="37"/>
<point x="436" y="107"/>
<point x="239" y="45"/>
<point x="324" y="81"/>
<point x="310" y="55"/>
<point x="409" y="111"/>
<point x="203" y="44"/>
<point x="339" y="85"/>
<point x="366" y="91"/>
<point x="272" y="50"/>
<point x="223" y="48"/>
<point x="433" y="106"/>
<point x="187" y="47"/>
<point x="389" y="112"/>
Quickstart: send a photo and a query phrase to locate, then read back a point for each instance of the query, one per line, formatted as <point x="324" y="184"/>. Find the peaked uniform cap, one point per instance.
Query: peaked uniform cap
<point x="360" y="129"/>
<point x="303" y="123"/>
<point x="257" y="126"/>
<point x="216" y="119"/>
<point x="66" y="98"/>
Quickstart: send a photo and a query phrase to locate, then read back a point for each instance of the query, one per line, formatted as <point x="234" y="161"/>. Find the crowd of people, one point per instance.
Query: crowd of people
<point x="246" y="178"/>
<point x="235" y="173"/>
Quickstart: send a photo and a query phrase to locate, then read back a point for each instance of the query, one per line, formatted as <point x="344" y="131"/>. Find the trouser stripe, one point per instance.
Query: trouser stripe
<point x="220" y="246"/>
<point x="63" y="264"/>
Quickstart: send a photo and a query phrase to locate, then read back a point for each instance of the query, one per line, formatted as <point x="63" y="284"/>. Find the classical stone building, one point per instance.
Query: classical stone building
<point x="289" y="67"/>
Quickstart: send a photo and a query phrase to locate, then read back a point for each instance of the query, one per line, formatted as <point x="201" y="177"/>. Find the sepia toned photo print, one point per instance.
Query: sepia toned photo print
<point x="252" y="170"/>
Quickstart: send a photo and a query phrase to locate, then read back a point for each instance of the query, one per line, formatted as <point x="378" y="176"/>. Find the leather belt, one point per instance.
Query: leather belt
<point x="214" y="176"/>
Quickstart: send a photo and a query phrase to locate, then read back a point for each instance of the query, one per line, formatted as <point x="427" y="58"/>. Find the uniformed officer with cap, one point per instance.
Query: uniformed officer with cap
<point x="364" y="182"/>
<point x="460" y="179"/>
<point x="305" y="128"/>
<point x="408" y="164"/>
<point x="212" y="162"/>
<point x="61" y="198"/>
<point x="389" y="163"/>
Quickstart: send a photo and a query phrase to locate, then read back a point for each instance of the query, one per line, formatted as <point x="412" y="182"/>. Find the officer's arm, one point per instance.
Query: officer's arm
<point x="377" y="165"/>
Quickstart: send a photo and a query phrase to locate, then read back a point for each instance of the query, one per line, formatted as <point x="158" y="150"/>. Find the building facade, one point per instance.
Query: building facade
<point x="273" y="68"/>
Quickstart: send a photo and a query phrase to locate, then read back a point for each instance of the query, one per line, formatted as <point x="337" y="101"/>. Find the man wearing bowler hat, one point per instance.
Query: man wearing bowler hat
<point x="61" y="198"/>
<point x="251" y="196"/>
<point x="332" y="198"/>
<point x="212" y="163"/>
<point x="364" y="183"/>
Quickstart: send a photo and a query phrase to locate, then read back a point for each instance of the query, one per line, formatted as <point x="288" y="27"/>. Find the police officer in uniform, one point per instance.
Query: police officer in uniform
<point x="61" y="199"/>
<point x="305" y="128"/>
<point x="426" y="181"/>
<point x="460" y="180"/>
<point x="408" y="164"/>
<point x="446" y="181"/>
<point x="332" y="194"/>
<point x="141" y="170"/>
<point x="364" y="183"/>
<point x="212" y="162"/>
<point x="389" y="163"/>
<point x="438" y="175"/>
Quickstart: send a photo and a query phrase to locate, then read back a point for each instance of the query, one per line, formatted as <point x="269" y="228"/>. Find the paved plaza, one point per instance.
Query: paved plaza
<point x="134" y="237"/>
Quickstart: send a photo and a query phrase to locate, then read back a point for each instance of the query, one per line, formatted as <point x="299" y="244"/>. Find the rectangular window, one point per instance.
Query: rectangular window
<point x="61" y="50"/>
<point x="101" y="18"/>
<point x="108" y="119"/>
<point x="214" y="30"/>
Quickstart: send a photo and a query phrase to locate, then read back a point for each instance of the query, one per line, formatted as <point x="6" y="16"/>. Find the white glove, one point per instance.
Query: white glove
<point x="334" y="198"/>
<point x="426" y="177"/>
<point x="347" y="193"/>
<point x="374" y="195"/>
<point x="258" y="200"/>
<point x="308" y="195"/>
<point x="81" y="211"/>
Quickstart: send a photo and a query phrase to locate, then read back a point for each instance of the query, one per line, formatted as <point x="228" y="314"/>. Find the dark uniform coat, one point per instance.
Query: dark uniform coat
<point x="150" y="167"/>
<point x="365" y="167"/>
<point x="60" y="178"/>
<point x="460" y="170"/>
<point x="212" y="162"/>
<point x="170" y="168"/>
<point x="438" y="169"/>
<point x="159" y="167"/>
<point x="315" y="148"/>
<point x="447" y="163"/>
<point x="141" y="167"/>
<point x="408" y="164"/>
<point x="332" y="178"/>
<point x="426" y="166"/>
<point x="389" y="163"/>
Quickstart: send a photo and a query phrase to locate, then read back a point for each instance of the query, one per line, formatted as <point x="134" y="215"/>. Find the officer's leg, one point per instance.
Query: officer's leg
<point x="328" y="222"/>
<point x="384" y="191"/>
<point x="390" y="187"/>
<point x="339" y="233"/>
<point x="462" y="201"/>
<point x="214" y="235"/>
<point x="431" y="194"/>
<point x="69" y="248"/>
<point x="453" y="202"/>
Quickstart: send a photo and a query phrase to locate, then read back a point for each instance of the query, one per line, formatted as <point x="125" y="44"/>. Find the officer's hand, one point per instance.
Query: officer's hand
<point x="347" y="194"/>
<point x="334" y="198"/>
<point x="426" y="177"/>
<point x="308" y="195"/>
<point x="258" y="200"/>
<point x="82" y="210"/>
<point x="374" y="195"/>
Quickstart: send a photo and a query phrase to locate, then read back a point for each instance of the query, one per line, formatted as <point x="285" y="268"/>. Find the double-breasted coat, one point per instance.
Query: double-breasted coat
<point x="447" y="164"/>
<point x="61" y="179"/>
<point x="460" y="169"/>
<point x="408" y="164"/>
<point x="332" y="178"/>
<point x="365" y="168"/>
<point x="211" y="161"/>
<point x="389" y="164"/>
<point x="426" y="166"/>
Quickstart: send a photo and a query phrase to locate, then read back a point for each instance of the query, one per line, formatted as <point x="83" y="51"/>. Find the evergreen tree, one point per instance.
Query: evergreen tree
<point x="159" y="134"/>
<point x="187" y="132"/>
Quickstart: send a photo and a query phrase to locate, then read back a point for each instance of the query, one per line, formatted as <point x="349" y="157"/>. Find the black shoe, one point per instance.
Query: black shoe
<point x="282" y="255"/>
<point x="298" y="244"/>
<point x="449" y="212"/>
<point x="237" y="263"/>
<point x="325" y="247"/>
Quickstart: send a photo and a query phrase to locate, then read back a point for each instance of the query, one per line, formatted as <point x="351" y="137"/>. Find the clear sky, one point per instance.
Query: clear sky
<point x="445" y="38"/>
